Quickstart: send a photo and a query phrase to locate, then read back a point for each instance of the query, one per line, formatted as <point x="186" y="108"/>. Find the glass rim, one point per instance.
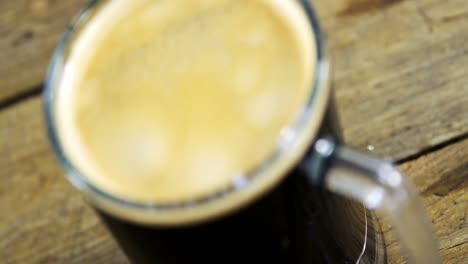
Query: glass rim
<point x="83" y="184"/>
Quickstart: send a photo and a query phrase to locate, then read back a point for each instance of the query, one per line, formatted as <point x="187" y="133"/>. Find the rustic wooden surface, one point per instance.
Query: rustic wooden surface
<point x="29" y="31"/>
<point x="401" y="81"/>
<point x="442" y="179"/>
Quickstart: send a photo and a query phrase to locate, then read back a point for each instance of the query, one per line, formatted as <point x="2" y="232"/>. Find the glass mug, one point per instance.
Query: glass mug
<point x="313" y="207"/>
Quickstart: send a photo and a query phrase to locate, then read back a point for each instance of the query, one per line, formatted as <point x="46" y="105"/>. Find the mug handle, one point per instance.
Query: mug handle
<point x="378" y="185"/>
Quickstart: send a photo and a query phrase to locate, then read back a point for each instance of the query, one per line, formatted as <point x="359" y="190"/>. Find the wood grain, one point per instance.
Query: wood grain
<point x="399" y="71"/>
<point x="29" y="31"/>
<point x="442" y="179"/>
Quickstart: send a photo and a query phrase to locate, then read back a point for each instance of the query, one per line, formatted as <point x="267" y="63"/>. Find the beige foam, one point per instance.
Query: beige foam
<point x="168" y="101"/>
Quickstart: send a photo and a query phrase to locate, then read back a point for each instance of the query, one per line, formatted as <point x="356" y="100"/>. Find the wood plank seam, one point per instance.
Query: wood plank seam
<point x="20" y="96"/>
<point x="431" y="149"/>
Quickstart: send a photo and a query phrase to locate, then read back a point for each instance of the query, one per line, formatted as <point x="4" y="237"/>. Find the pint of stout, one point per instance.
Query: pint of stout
<point x="203" y="131"/>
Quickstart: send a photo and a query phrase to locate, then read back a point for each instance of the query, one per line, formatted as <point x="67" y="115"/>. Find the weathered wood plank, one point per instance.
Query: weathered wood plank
<point x="399" y="71"/>
<point x="442" y="178"/>
<point x="29" y="31"/>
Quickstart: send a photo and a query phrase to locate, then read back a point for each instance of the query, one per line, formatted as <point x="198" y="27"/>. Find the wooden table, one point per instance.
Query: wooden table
<point x="401" y="81"/>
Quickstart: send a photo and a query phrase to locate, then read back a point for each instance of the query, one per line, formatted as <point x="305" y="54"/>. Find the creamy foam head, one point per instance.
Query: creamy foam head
<point x="173" y="100"/>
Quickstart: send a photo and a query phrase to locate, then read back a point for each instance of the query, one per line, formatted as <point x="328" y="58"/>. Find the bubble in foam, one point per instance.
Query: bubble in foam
<point x="264" y="109"/>
<point x="246" y="77"/>
<point x="209" y="166"/>
<point x="287" y="135"/>
<point x="141" y="153"/>
<point x="259" y="34"/>
<point x="240" y="181"/>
